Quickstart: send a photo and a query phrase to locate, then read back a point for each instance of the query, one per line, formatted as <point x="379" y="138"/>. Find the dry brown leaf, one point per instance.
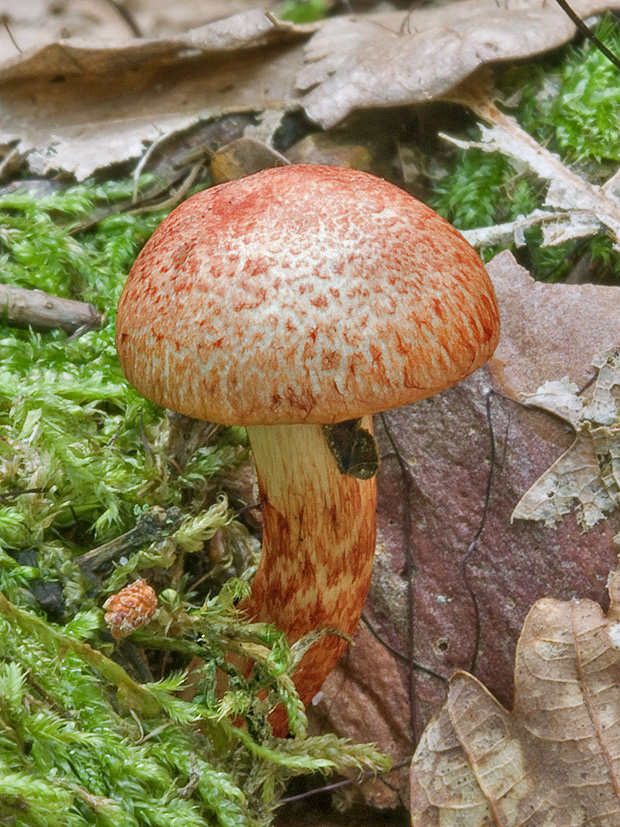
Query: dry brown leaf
<point x="107" y="102"/>
<point x="554" y="760"/>
<point x="34" y="23"/>
<point x="396" y="59"/>
<point x="588" y="473"/>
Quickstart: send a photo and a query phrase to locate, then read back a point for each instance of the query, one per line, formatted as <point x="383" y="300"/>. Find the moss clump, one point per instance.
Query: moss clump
<point x="81" y="743"/>
<point x="81" y="453"/>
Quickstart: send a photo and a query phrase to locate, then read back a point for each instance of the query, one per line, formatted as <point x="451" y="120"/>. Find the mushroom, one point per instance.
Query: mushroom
<point x="297" y="298"/>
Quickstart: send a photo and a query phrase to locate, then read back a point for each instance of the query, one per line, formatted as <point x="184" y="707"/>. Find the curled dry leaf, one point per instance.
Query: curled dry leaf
<point x="108" y="101"/>
<point x="554" y="758"/>
<point x="396" y="59"/>
<point x="588" y="473"/>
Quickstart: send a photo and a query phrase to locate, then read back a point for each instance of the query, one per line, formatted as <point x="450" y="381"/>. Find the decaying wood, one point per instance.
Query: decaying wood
<point x="35" y="308"/>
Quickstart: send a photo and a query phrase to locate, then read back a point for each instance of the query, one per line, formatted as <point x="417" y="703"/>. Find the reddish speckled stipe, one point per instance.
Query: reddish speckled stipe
<point x="303" y="294"/>
<point x="319" y="530"/>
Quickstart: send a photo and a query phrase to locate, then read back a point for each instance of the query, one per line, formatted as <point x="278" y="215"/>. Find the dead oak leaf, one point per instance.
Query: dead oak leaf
<point x="589" y="472"/>
<point x="395" y="59"/>
<point x="433" y="512"/>
<point x="553" y="759"/>
<point x="107" y="101"/>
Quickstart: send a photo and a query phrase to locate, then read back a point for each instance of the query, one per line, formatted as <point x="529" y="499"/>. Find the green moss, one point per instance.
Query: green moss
<point x="302" y="11"/>
<point x="71" y="427"/>
<point x="78" y="734"/>
<point x="575" y="103"/>
<point x="506" y="195"/>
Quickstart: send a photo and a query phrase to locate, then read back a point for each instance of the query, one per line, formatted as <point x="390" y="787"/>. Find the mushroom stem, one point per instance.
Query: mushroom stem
<point x="319" y="531"/>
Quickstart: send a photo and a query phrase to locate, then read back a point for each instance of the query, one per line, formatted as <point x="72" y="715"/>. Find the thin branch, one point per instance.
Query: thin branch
<point x="5" y="23"/>
<point x="18" y="492"/>
<point x="143" y="162"/>
<point x="153" y="525"/>
<point x="42" y="311"/>
<point x="176" y="195"/>
<point x="346" y="782"/>
<point x="126" y="17"/>
<point x="587" y="32"/>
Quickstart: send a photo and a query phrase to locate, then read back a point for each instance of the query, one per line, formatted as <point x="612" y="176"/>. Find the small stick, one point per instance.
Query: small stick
<point x="5" y="23"/>
<point x="42" y="311"/>
<point x="175" y="196"/>
<point x="142" y="163"/>
<point x="126" y="16"/>
<point x="587" y="32"/>
<point x="153" y="525"/>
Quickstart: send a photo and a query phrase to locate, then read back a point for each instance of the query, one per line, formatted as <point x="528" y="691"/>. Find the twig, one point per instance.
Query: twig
<point x="347" y="781"/>
<point x="42" y="311"/>
<point x="143" y="161"/>
<point x="150" y="526"/>
<point x="5" y="23"/>
<point x="176" y="195"/>
<point x="127" y="208"/>
<point x="127" y="18"/>
<point x="18" y="492"/>
<point x="586" y="32"/>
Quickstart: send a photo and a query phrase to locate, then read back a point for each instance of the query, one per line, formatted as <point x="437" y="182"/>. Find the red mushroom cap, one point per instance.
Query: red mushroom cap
<point x="303" y="294"/>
